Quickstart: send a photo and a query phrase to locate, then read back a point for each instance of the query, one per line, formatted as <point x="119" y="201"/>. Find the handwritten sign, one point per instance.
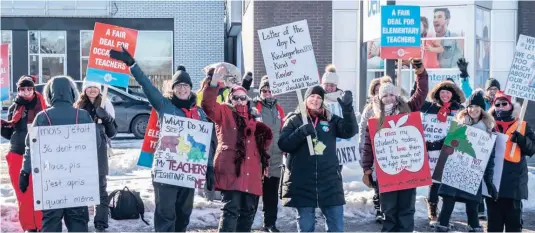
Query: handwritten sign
<point x="181" y="158"/>
<point x="434" y="129"/>
<point x="103" y="69"/>
<point x="400" y="155"/>
<point x="464" y="157"/>
<point x="521" y="80"/>
<point x="152" y="133"/>
<point x="289" y="57"/>
<point x="499" y="153"/>
<point x="64" y="166"/>
<point x="346" y="149"/>
<point x="372" y="19"/>
<point x="400" y="32"/>
<point x="4" y="72"/>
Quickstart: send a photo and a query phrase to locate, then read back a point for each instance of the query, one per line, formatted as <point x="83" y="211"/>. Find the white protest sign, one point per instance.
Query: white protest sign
<point x="521" y="80"/>
<point x="289" y="57"/>
<point x="64" y="166"/>
<point x="499" y="153"/>
<point x="464" y="157"/>
<point x="434" y="130"/>
<point x="346" y="149"/>
<point x="181" y="157"/>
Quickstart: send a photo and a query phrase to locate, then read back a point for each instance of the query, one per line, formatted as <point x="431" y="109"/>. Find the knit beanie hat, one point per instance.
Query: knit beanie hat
<point x="477" y="99"/>
<point x="318" y="90"/>
<point x="330" y="75"/>
<point x="387" y="87"/>
<point x="264" y="82"/>
<point x="26" y="81"/>
<point x="181" y="76"/>
<point x="491" y="82"/>
<point x="88" y="84"/>
<point x="502" y="95"/>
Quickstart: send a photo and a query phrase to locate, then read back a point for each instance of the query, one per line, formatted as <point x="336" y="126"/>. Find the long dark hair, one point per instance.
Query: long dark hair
<point x="84" y="101"/>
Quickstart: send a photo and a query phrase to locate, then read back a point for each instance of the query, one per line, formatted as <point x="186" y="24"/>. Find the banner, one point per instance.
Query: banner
<point x="289" y="57"/>
<point x="103" y="69"/>
<point x="64" y="166"/>
<point x="346" y="149"/>
<point x="464" y="157"/>
<point x="182" y="153"/>
<point x="521" y="80"/>
<point x="4" y="72"/>
<point x="399" y="149"/>
<point x="499" y="153"/>
<point x="400" y="32"/>
<point x="152" y="133"/>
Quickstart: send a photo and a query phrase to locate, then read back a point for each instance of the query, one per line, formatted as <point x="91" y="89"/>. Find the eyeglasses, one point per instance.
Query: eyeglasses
<point x="239" y="97"/>
<point x="182" y="85"/>
<point x="503" y="104"/>
<point x="25" y="89"/>
<point x="265" y="91"/>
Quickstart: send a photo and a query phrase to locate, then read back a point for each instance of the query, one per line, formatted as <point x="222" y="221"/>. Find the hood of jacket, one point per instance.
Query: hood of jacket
<point x="371" y="88"/>
<point x="457" y="93"/>
<point x="61" y="89"/>
<point x="462" y="117"/>
<point x="515" y="114"/>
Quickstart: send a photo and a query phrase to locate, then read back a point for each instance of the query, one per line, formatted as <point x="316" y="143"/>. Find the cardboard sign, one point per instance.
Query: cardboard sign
<point x="346" y="149"/>
<point x="64" y="166"/>
<point x="521" y="80"/>
<point x="435" y="130"/>
<point x="103" y="69"/>
<point x="371" y="19"/>
<point x="152" y="133"/>
<point x="182" y="153"/>
<point x="4" y="72"/>
<point x="399" y="149"/>
<point x="464" y="157"/>
<point x="499" y="153"/>
<point x="400" y="32"/>
<point x="289" y="57"/>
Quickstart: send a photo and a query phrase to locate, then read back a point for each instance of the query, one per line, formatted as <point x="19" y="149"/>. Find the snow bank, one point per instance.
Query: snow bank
<point x="123" y="161"/>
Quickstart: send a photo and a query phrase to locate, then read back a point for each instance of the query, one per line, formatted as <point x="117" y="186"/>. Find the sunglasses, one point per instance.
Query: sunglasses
<point x="503" y="104"/>
<point x="25" y="88"/>
<point x="265" y="91"/>
<point x="240" y="97"/>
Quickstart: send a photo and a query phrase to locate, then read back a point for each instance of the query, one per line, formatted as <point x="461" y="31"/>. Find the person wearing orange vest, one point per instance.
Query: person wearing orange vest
<point x="506" y="210"/>
<point x="271" y="114"/>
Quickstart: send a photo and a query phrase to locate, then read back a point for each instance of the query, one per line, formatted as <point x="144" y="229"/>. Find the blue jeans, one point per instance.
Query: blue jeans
<point x="334" y="215"/>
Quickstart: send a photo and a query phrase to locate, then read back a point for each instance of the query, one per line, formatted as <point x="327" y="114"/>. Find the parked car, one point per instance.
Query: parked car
<point x="131" y="112"/>
<point x="134" y="90"/>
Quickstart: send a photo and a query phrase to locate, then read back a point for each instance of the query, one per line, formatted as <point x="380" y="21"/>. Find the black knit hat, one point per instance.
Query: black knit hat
<point x="477" y="99"/>
<point x="26" y="81"/>
<point x="318" y="90"/>
<point x="491" y="82"/>
<point x="264" y="82"/>
<point x="181" y="76"/>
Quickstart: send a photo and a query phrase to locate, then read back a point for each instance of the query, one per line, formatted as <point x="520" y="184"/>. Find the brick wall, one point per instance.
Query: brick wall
<point x="319" y="17"/>
<point x="526" y="26"/>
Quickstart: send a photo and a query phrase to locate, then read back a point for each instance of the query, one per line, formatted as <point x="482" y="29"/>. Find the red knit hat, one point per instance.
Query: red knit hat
<point x="502" y="95"/>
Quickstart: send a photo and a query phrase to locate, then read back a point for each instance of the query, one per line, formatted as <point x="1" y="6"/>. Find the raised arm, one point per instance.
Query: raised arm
<point x="417" y="100"/>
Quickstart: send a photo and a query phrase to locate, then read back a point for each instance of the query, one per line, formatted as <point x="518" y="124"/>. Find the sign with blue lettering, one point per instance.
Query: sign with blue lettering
<point x="400" y="32"/>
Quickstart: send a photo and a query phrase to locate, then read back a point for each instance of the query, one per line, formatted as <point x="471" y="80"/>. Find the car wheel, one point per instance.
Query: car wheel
<point x="139" y="125"/>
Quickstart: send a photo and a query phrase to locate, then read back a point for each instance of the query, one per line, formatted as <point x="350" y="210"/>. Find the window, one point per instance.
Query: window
<point x="7" y="39"/>
<point x="482" y="60"/>
<point x="47" y="54"/>
<point x="86" y="37"/>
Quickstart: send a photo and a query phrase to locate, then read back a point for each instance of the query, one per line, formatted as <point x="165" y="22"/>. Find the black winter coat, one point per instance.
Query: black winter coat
<point x="314" y="181"/>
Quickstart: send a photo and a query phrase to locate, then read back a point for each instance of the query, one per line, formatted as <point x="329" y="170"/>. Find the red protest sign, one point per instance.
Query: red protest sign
<point x="401" y="159"/>
<point x="152" y="133"/>
<point x="4" y="66"/>
<point x="105" y="38"/>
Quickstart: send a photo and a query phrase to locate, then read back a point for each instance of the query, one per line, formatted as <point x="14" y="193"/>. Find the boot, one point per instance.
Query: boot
<point x="379" y="217"/>
<point x="439" y="228"/>
<point x="482" y="216"/>
<point x="99" y="228"/>
<point x="476" y="229"/>
<point x="270" y="229"/>
<point x="432" y="213"/>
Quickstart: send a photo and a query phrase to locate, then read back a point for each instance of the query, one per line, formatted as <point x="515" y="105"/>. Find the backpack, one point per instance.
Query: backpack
<point x="126" y="204"/>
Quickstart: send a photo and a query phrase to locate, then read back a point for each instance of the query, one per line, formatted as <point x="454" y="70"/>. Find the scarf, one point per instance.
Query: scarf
<point x="29" y="108"/>
<point x="189" y="106"/>
<point x="270" y="101"/>
<point x="242" y="111"/>
<point x="333" y="96"/>
<point x="504" y="120"/>
<point x="444" y="112"/>
<point x="244" y="126"/>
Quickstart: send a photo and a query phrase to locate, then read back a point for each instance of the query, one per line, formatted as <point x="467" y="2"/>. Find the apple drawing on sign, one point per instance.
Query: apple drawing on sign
<point x="399" y="147"/>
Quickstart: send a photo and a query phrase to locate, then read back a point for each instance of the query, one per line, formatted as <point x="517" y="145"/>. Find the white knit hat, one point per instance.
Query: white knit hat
<point x="387" y="87"/>
<point x="88" y="84"/>
<point x="330" y="75"/>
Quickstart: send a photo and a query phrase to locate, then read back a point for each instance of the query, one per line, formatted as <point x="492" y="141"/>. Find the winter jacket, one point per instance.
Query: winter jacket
<point x="314" y="181"/>
<point x="413" y="104"/>
<point x="107" y="130"/>
<point x="434" y="106"/>
<point x="272" y="115"/>
<point x="514" y="182"/>
<point x="461" y="196"/>
<point x="16" y="132"/>
<point x="60" y="93"/>
<point x="163" y="105"/>
<point x="233" y="173"/>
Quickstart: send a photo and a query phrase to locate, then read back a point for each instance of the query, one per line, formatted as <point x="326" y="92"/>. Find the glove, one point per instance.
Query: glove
<point x="492" y="191"/>
<point x="518" y="138"/>
<point x="210" y="178"/>
<point x="418" y="65"/>
<point x="247" y="81"/>
<point x="367" y="178"/>
<point x="123" y="56"/>
<point x="24" y="181"/>
<point x="307" y="129"/>
<point x="347" y="101"/>
<point x="103" y="114"/>
<point x="463" y="65"/>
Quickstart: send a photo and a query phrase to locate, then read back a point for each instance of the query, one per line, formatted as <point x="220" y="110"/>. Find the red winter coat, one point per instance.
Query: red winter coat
<point x="225" y="161"/>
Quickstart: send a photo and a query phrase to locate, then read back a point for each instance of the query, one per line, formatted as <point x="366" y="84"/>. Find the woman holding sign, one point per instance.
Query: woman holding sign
<point x="506" y="211"/>
<point x="241" y="160"/>
<point x="314" y="181"/>
<point x="174" y="204"/>
<point x="103" y="113"/>
<point x="23" y="111"/>
<point x="398" y="206"/>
